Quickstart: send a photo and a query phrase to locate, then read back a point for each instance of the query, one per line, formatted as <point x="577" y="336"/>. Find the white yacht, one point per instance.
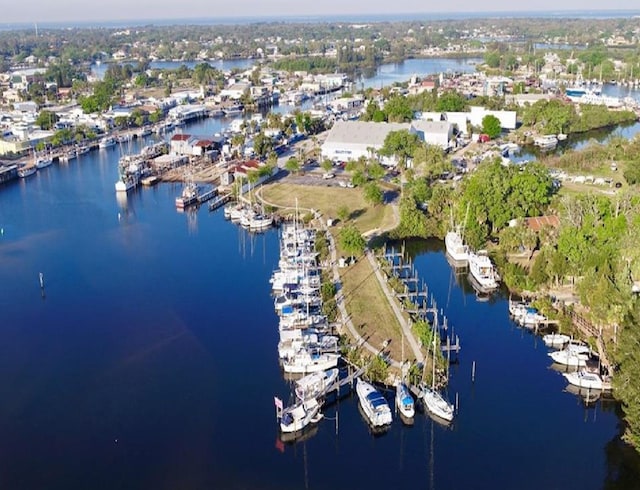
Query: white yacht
<point x="483" y="271"/>
<point x="315" y="385"/>
<point x="455" y="246"/>
<point x="373" y="404"/>
<point x="107" y="142"/>
<point x="298" y="416"/>
<point x="304" y="362"/>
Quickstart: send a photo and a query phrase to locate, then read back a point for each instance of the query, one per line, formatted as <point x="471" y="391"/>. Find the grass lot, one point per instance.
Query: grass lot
<point x="328" y="200"/>
<point x="369" y="309"/>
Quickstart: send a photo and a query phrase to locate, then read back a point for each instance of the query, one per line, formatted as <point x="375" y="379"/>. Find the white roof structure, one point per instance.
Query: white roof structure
<point x="364" y="134"/>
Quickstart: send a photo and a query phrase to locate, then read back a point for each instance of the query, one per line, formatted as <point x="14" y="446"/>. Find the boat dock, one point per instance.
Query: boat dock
<point x="220" y="200"/>
<point x="207" y="195"/>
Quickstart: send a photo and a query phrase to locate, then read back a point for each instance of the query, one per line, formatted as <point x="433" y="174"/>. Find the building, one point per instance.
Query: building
<point x="351" y="140"/>
<point x="437" y="133"/>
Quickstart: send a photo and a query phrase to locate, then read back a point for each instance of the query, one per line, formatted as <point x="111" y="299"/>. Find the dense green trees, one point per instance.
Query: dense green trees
<point x="351" y="241"/>
<point x="46" y="119"/>
<point x="401" y="144"/>
<point x="495" y="194"/>
<point x="491" y="126"/>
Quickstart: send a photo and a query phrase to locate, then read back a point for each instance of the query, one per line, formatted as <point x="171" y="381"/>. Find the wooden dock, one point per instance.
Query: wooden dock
<point x="220" y="200"/>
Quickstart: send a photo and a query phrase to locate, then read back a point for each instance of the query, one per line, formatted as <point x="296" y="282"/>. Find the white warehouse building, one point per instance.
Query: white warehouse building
<point x="350" y="140"/>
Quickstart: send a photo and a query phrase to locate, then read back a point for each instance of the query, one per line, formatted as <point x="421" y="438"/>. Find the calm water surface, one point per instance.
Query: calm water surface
<point x="150" y="362"/>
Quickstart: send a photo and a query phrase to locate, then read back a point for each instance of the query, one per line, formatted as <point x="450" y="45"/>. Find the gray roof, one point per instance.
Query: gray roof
<point x="431" y="127"/>
<point x="363" y="133"/>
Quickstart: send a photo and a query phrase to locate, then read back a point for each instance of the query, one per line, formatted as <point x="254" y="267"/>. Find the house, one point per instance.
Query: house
<point x="180" y="144"/>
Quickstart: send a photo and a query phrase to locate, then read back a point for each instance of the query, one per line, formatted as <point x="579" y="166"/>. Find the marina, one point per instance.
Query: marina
<point x="164" y="368"/>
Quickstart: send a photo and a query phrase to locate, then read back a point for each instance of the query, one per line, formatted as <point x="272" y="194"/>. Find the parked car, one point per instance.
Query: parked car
<point x="328" y="175"/>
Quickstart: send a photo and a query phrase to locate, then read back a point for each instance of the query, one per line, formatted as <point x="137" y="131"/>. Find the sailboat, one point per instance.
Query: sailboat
<point x="433" y="400"/>
<point x="404" y="403"/>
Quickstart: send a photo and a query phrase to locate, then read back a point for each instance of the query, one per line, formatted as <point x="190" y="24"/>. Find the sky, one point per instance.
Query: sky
<point x="44" y="11"/>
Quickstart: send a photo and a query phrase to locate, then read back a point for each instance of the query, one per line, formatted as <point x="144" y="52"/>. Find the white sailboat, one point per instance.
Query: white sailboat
<point x="373" y="404"/>
<point x="433" y="400"/>
<point x="404" y="401"/>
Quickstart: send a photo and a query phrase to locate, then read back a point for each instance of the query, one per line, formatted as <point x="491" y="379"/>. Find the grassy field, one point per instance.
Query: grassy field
<point x="369" y="309"/>
<point x="328" y="200"/>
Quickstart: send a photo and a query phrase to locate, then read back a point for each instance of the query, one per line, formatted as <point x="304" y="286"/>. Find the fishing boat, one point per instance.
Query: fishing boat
<point x="296" y="417"/>
<point x="107" y="142"/>
<point x="68" y="155"/>
<point x="43" y="162"/>
<point x="373" y="404"/>
<point x="455" y="246"/>
<point x="27" y="171"/>
<point x="315" y="385"/>
<point x="556" y="340"/>
<point x="189" y="195"/>
<point x="482" y="271"/>
<point x="404" y="402"/>
<point x="584" y="379"/>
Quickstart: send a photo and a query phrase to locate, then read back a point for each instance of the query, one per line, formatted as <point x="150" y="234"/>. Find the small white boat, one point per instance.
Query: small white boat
<point x="315" y="385"/>
<point x="373" y="404"/>
<point x="546" y="142"/>
<point x="584" y="379"/>
<point x="556" y="340"/>
<point x="404" y="401"/>
<point x="436" y="403"/>
<point x="260" y="222"/>
<point x="296" y="417"/>
<point x="570" y="358"/>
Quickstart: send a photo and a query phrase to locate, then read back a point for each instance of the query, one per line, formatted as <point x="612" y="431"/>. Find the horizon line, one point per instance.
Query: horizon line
<point x="275" y="18"/>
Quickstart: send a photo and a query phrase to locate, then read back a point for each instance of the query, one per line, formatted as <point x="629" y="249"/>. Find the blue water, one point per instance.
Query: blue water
<point x="149" y="361"/>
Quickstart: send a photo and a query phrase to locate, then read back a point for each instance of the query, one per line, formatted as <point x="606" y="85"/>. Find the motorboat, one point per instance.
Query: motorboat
<point x="435" y="403"/>
<point x="373" y="404"/>
<point x="556" y="340"/>
<point x="455" y="246"/>
<point x="483" y="271"/>
<point x="546" y="142"/>
<point x="315" y="385"/>
<point x="298" y="416"/>
<point x="584" y="379"/>
<point x="567" y="357"/>
<point x="404" y="401"/>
